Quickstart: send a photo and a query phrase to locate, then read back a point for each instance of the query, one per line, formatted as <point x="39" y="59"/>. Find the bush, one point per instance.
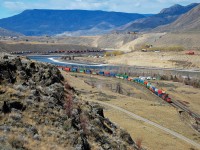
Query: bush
<point x="139" y="143"/>
<point x="114" y="53"/>
<point x="172" y="48"/>
<point x="69" y="105"/>
<point x="84" y="122"/>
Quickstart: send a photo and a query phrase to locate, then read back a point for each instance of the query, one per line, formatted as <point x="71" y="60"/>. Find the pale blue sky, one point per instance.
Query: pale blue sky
<point x="12" y="7"/>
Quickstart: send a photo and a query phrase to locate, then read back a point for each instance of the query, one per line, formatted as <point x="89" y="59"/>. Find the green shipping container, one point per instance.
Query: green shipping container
<point x="125" y="76"/>
<point x="93" y="72"/>
<point x="118" y="75"/>
<point x="81" y="70"/>
<point x="148" y="85"/>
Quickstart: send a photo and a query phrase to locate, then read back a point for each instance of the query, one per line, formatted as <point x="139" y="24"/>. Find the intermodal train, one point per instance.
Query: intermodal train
<point x="159" y="92"/>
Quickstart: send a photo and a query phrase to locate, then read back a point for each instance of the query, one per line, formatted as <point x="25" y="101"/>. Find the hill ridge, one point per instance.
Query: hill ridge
<point x="166" y="16"/>
<point x="52" y="22"/>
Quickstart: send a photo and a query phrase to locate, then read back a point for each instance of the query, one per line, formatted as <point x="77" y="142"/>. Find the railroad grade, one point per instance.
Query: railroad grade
<point x="143" y="87"/>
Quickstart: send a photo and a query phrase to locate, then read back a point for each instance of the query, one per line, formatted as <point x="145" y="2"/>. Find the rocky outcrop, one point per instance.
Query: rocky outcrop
<point x="39" y="110"/>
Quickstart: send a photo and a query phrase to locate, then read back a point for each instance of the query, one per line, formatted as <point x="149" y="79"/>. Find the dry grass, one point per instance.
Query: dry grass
<point x="161" y="59"/>
<point x="146" y="107"/>
<point x="186" y="94"/>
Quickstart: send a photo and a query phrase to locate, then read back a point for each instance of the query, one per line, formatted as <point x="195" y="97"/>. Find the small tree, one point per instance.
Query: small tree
<point x="139" y="143"/>
<point x="84" y="122"/>
<point x="69" y="105"/>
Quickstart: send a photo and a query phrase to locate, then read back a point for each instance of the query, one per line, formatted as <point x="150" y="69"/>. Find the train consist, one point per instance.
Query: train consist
<point x="159" y="92"/>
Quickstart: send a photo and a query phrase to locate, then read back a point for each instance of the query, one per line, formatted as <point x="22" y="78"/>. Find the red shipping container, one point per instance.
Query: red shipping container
<point x="159" y="91"/>
<point x="67" y="69"/>
<point x="130" y="79"/>
<point x="106" y="73"/>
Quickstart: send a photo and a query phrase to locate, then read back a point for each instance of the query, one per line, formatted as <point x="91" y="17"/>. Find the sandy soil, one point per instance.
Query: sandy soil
<point x="157" y="59"/>
<point x="144" y="104"/>
<point x="151" y="59"/>
<point x="142" y="39"/>
<point x="189" y="40"/>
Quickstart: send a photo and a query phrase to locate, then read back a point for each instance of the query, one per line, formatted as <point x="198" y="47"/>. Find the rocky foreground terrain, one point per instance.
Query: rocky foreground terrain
<point x="39" y="110"/>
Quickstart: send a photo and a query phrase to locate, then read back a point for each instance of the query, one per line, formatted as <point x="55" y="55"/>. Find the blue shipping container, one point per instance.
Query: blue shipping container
<point x="88" y="71"/>
<point x="112" y="74"/>
<point x="101" y="73"/>
<point x="74" y="69"/>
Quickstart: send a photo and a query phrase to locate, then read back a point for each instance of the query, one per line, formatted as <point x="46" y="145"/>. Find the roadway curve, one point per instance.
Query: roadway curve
<point x="151" y="123"/>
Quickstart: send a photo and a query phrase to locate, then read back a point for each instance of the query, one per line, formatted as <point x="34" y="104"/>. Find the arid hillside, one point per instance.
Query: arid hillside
<point x="40" y="110"/>
<point x="39" y="47"/>
<point x="166" y="16"/>
<point x="4" y="32"/>
<point x="187" y="40"/>
<point x="189" y="22"/>
<point x="107" y="41"/>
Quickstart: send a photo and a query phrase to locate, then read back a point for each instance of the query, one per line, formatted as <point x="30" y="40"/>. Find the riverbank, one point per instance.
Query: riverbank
<point x="78" y="63"/>
<point x="132" y="70"/>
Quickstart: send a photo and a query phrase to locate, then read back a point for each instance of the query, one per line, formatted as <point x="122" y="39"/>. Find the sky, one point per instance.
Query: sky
<point x="13" y="7"/>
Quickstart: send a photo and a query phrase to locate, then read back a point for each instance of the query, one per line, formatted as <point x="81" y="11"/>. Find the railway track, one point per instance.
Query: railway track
<point x="175" y="104"/>
<point x="178" y="105"/>
<point x="182" y="107"/>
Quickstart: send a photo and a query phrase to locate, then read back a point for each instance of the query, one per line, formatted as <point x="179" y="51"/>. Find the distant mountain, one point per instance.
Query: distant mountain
<point x="187" y="22"/>
<point x="4" y="32"/>
<point x="166" y="16"/>
<point x="51" y="22"/>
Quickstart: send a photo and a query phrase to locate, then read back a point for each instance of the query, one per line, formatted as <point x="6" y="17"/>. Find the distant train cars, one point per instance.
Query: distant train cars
<point x="140" y="80"/>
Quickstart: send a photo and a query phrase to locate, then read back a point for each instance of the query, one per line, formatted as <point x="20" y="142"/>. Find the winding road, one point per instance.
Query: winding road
<point x="175" y="134"/>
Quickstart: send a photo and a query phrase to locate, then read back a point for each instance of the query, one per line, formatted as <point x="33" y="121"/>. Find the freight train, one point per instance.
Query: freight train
<point x="159" y="92"/>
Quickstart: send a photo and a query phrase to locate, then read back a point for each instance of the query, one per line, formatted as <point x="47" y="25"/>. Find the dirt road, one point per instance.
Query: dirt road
<point x="151" y="123"/>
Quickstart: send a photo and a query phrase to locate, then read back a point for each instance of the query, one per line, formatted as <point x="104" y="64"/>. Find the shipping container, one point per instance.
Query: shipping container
<point x="94" y="72"/>
<point x="88" y="71"/>
<point x="106" y="73"/>
<point x="159" y="91"/>
<point x="125" y="76"/>
<point x="74" y="70"/>
<point x="130" y="79"/>
<point x="153" y="88"/>
<point x="66" y="69"/>
<point x="112" y="74"/>
<point x="148" y="85"/>
<point x="81" y="70"/>
<point x="101" y="73"/>
<point x="118" y="75"/>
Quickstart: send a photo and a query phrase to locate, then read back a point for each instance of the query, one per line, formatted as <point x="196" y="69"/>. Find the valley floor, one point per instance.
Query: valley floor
<point x="152" y="59"/>
<point x="140" y="101"/>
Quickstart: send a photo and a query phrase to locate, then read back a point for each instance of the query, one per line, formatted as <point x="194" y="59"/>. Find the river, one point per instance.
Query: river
<point x="55" y="60"/>
<point x="139" y="70"/>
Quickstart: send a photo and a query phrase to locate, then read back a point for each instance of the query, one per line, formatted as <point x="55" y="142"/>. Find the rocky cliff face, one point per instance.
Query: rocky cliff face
<point x="39" y="110"/>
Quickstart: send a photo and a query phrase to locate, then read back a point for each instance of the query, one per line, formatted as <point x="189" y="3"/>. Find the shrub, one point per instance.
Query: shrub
<point x="114" y="53"/>
<point x="172" y="48"/>
<point x="69" y="105"/>
<point x="84" y="122"/>
<point x="139" y="143"/>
